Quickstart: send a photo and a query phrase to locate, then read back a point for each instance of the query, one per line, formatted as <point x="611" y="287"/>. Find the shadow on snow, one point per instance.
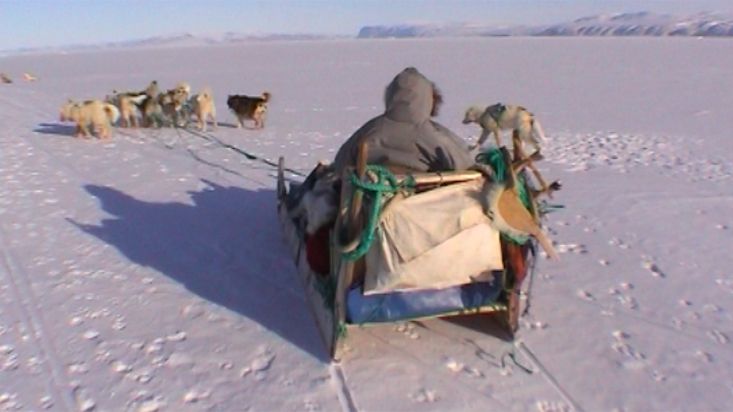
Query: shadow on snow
<point x="226" y="247"/>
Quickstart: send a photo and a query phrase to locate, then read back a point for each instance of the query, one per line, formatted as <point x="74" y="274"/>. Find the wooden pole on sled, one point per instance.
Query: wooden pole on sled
<point x="281" y="177"/>
<point x="520" y="156"/>
<point x="350" y="224"/>
<point x="515" y="254"/>
<point x="441" y="178"/>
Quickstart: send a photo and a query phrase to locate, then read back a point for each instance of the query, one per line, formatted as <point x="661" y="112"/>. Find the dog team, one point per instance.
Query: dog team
<point x="176" y="106"/>
<point x="152" y="108"/>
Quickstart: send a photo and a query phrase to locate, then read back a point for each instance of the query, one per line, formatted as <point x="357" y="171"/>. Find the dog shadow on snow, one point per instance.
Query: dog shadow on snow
<point x="58" y="129"/>
<point x="225" y="246"/>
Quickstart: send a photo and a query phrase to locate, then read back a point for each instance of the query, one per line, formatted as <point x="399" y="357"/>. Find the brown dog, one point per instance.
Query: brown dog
<point x="172" y="103"/>
<point x="247" y="107"/>
<point x="150" y="107"/>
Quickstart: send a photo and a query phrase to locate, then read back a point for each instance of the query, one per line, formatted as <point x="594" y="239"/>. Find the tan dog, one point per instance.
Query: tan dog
<point x="202" y="105"/>
<point x="29" y="77"/>
<point x="91" y="112"/>
<point x="184" y="89"/>
<point x="128" y="109"/>
<point x="171" y="103"/>
<point x="127" y="103"/>
<point x="152" y="90"/>
<point x="498" y="117"/>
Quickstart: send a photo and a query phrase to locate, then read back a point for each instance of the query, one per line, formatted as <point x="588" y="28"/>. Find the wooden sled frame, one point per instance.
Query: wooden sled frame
<point x="327" y="297"/>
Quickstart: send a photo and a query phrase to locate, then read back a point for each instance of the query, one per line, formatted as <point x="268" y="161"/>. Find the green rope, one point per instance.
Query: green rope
<point x="386" y="183"/>
<point x="341" y="330"/>
<point x="494" y="158"/>
<point x="326" y="287"/>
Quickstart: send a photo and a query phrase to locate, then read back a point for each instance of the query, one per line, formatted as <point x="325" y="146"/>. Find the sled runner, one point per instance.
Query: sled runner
<point x="405" y="247"/>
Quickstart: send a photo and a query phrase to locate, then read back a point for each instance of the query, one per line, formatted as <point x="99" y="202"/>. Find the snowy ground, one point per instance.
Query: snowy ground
<point x="149" y="273"/>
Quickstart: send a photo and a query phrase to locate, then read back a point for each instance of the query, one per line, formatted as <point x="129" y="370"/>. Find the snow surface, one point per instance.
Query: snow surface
<point x="149" y="273"/>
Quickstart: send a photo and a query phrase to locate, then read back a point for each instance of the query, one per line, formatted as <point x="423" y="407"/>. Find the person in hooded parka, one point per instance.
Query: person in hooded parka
<point x="405" y="137"/>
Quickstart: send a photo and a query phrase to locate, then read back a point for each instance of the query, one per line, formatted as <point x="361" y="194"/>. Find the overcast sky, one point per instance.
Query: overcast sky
<point x="38" y="23"/>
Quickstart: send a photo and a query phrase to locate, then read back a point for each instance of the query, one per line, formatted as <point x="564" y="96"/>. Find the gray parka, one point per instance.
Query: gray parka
<point x="405" y="136"/>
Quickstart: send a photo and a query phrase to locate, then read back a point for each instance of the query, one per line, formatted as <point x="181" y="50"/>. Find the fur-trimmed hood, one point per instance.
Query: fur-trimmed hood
<point x="405" y="137"/>
<point x="411" y="97"/>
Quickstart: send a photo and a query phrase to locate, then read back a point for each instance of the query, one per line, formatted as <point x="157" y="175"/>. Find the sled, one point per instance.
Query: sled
<point x="337" y="298"/>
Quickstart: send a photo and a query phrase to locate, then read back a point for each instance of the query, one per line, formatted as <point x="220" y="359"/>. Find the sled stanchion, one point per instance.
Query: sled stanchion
<point x="281" y="176"/>
<point x="337" y="262"/>
<point x="515" y="256"/>
<point x="320" y="307"/>
<point x="361" y="163"/>
<point x="346" y="272"/>
<point x="519" y="155"/>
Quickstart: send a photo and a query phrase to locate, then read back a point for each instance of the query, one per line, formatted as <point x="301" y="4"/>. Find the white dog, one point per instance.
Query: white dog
<point x="202" y="105"/>
<point x="499" y="117"/>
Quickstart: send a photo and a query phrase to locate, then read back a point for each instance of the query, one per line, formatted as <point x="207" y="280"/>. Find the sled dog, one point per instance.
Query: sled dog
<point x="247" y="107"/>
<point x="128" y="104"/>
<point x="498" y="117"/>
<point x="91" y="112"/>
<point x="202" y="105"/>
<point x="172" y="103"/>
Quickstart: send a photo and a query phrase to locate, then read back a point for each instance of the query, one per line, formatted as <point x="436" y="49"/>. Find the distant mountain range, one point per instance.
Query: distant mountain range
<point x="624" y="24"/>
<point x="174" y="40"/>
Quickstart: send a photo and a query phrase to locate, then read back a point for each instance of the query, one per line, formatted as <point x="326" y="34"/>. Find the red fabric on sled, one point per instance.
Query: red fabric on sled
<point x="317" y="251"/>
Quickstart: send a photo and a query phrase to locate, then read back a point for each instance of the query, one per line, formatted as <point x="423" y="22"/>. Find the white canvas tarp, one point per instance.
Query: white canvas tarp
<point x="431" y="240"/>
